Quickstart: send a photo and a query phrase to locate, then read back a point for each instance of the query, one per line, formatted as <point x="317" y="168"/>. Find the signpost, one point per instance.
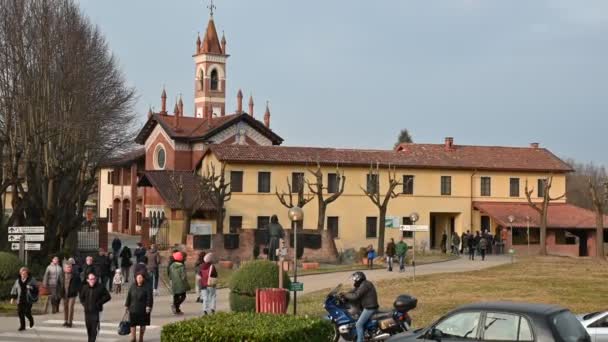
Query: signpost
<point x="414" y="217"/>
<point x="296" y="286"/>
<point x="21" y="238"/>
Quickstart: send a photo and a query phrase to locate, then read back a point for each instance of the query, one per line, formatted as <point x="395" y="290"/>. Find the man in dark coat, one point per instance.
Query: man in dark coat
<point x="125" y="262"/>
<point x="365" y="294"/>
<point x="104" y="266"/>
<point x="116" y="245"/>
<point x="139" y="253"/>
<point x="88" y="268"/>
<point x="68" y="285"/>
<point x="275" y="234"/>
<point x="93" y="296"/>
<point x="390" y="254"/>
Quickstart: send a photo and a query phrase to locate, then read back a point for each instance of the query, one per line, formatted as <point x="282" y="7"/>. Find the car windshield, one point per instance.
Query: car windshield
<point x="569" y="328"/>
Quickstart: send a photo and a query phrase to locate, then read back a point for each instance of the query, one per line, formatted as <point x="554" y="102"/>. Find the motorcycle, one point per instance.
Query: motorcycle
<point x="380" y="326"/>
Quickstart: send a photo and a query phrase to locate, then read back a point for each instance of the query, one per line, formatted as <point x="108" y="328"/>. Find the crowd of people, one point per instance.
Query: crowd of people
<point x="481" y="243"/>
<point x="94" y="279"/>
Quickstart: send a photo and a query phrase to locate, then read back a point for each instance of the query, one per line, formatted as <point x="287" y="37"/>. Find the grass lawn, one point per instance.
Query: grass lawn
<point x="576" y="284"/>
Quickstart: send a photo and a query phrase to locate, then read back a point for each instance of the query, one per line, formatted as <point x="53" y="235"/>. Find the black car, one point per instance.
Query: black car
<point x="502" y="321"/>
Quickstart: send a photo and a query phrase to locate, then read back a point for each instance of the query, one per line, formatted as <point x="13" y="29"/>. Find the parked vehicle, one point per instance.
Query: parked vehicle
<point x="381" y="326"/>
<point x="502" y="321"/>
<point x="596" y="324"/>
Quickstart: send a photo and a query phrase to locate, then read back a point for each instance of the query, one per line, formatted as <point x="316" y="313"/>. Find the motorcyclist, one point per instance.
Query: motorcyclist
<point x="363" y="292"/>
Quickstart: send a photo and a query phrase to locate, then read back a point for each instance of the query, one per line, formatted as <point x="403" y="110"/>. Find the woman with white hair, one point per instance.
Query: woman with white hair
<point x="208" y="282"/>
<point x="25" y="291"/>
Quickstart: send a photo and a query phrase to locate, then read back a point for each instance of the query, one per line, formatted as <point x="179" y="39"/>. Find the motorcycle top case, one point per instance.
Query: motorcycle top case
<point x="405" y="303"/>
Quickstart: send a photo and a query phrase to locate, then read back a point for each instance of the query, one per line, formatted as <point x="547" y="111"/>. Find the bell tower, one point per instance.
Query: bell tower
<point x="210" y="72"/>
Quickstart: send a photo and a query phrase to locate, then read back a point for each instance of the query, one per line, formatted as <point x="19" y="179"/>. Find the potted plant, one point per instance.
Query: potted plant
<point x="362" y="255"/>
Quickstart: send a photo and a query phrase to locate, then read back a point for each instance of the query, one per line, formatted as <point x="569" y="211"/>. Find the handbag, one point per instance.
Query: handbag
<point x="211" y="281"/>
<point x="124" y="327"/>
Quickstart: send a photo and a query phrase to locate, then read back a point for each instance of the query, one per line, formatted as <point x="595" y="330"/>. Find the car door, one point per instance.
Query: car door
<point x="598" y="329"/>
<point x="498" y="326"/>
<point x="460" y="326"/>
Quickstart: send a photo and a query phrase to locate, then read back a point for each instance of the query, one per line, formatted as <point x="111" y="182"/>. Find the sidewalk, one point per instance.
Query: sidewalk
<point x="161" y="314"/>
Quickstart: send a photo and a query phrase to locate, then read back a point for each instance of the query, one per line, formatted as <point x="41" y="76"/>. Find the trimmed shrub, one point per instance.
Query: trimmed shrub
<point x="9" y="266"/>
<point x="250" y="327"/>
<point x="253" y="275"/>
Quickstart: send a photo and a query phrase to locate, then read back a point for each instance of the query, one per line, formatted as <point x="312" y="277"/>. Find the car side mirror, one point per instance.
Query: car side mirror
<point x="435" y="334"/>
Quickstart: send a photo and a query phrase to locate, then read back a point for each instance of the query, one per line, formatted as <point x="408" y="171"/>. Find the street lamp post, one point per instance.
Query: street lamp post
<point x="295" y="214"/>
<point x="414" y="217"/>
<point x="511" y="219"/>
<point x="528" y="233"/>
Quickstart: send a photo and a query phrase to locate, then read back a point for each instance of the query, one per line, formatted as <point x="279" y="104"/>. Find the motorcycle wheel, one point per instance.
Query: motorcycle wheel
<point x="336" y="337"/>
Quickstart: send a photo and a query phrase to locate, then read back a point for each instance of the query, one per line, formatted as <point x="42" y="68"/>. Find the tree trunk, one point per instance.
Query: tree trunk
<point x="543" y="233"/>
<point x="186" y="225"/>
<point x="599" y="234"/>
<point x="381" y="228"/>
<point x="219" y="221"/>
<point x="322" y="210"/>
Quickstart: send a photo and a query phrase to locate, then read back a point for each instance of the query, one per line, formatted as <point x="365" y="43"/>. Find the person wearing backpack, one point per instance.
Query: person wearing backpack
<point x="208" y="282"/>
<point x="25" y="291"/>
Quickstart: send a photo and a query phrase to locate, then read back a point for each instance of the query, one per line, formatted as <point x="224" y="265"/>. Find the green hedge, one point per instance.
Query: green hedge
<point x="9" y="271"/>
<point x="250" y="327"/>
<point x="253" y="275"/>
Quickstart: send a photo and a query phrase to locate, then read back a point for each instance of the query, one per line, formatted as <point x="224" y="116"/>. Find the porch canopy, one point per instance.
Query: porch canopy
<point x="560" y="215"/>
<point x="166" y="187"/>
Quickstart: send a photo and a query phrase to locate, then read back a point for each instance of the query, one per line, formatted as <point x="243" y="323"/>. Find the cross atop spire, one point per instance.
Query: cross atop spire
<point x="211" y="7"/>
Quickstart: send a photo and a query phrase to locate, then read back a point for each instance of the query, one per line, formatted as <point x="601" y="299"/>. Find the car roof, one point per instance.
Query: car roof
<point x="515" y="307"/>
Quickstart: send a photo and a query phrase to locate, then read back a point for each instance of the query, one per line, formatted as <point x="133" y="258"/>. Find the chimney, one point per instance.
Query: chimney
<point x="239" y="102"/>
<point x="251" y="105"/>
<point x="534" y="145"/>
<point x="449" y="143"/>
<point x="223" y="43"/>
<point x="163" y="102"/>
<point x="267" y="116"/>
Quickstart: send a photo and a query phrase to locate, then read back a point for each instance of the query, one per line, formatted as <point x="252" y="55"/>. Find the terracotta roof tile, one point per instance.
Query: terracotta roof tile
<point x="415" y="156"/>
<point x="560" y="215"/>
<point x="126" y="158"/>
<point x="161" y="181"/>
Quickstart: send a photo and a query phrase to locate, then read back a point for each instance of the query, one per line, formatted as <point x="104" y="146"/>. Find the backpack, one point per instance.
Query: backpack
<point x="32" y="294"/>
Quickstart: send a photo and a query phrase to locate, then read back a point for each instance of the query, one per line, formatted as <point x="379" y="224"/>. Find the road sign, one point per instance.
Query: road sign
<point x="296" y="286"/>
<point x="28" y="246"/>
<point x="415" y="228"/>
<point x="26" y="230"/>
<point x="28" y="237"/>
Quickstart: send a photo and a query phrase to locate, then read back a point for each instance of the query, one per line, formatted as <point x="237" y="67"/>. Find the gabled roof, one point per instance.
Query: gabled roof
<point x="199" y="129"/>
<point x="161" y="181"/>
<point x="211" y="42"/>
<point x="126" y="158"/>
<point x="416" y="156"/>
<point x="560" y="215"/>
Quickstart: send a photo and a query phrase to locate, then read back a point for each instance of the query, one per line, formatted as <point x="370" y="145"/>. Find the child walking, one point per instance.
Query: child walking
<point x="118" y="280"/>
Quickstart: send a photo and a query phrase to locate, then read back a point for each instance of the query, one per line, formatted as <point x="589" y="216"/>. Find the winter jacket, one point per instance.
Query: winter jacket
<point x="153" y="260"/>
<point x="371" y="253"/>
<point x="93" y="298"/>
<point x="455" y="240"/>
<point x="483" y="243"/>
<point x="73" y="286"/>
<point x="177" y="276"/>
<point x="365" y="294"/>
<point x="125" y="257"/>
<point x="18" y="293"/>
<point x="103" y="265"/>
<point x="138" y="298"/>
<point x="139" y="253"/>
<point x="88" y="269"/>
<point x="116" y="244"/>
<point x="207" y="270"/>
<point x="390" y="249"/>
<point x="471" y="242"/>
<point x="140" y="268"/>
<point x="52" y="273"/>
<point x="401" y="248"/>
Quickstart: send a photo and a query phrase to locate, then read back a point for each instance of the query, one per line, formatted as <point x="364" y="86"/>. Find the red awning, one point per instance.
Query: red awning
<point x="561" y="215"/>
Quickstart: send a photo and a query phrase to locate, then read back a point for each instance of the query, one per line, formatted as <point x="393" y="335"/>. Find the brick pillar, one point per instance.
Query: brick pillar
<point x="102" y="226"/>
<point x="145" y="232"/>
<point x="133" y="203"/>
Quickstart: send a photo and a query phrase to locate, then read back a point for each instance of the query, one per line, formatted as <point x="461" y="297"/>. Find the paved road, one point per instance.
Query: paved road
<point x="48" y="327"/>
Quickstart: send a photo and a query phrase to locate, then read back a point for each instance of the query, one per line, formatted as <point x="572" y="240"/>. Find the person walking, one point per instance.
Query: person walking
<point x="68" y="285"/>
<point x="179" y="282"/>
<point x="141" y="267"/>
<point x="465" y="242"/>
<point x="390" y="254"/>
<point x="139" y="306"/>
<point x="49" y="281"/>
<point x="139" y="252"/>
<point x="197" y="275"/>
<point x="208" y="282"/>
<point x="25" y="291"/>
<point x="444" y="241"/>
<point x="92" y="297"/>
<point x="89" y="268"/>
<point x="401" y="251"/>
<point x="125" y="262"/>
<point x="371" y="255"/>
<point x="455" y="244"/>
<point x="471" y="247"/>
<point x="483" y="246"/>
<point x="116" y="245"/>
<point x="104" y="266"/>
<point x="153" y="265"/>
<point x="118" y="281"/>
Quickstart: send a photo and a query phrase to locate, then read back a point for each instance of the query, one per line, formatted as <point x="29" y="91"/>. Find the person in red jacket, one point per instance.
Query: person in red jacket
<point x="208" y="281"/>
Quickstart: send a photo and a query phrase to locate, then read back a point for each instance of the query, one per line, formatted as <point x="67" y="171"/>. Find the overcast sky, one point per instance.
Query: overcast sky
<point x="353" y="73"/>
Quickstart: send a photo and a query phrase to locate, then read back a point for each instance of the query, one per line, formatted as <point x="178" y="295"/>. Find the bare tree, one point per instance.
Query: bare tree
<point x="64" y="109"/>
<point x="317" y="189"/>
<point x="372" y="191"/>
<point x="218" y="191"/>
<point x="543" y="209"/>
<point x="189" y="199"/>
<point x="286" y="198"/>
<point x="599" y="194"/>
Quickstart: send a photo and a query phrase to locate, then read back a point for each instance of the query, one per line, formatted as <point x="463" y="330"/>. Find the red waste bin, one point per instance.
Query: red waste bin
<point x="271" y="301"/>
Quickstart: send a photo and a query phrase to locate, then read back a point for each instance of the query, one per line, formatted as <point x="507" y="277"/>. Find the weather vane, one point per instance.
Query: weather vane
<point x="211" y="7"/>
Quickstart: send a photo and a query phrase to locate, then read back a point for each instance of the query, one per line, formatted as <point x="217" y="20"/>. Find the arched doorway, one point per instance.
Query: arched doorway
<point x="126" y="204"/>
<point x="115" y="215"/>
